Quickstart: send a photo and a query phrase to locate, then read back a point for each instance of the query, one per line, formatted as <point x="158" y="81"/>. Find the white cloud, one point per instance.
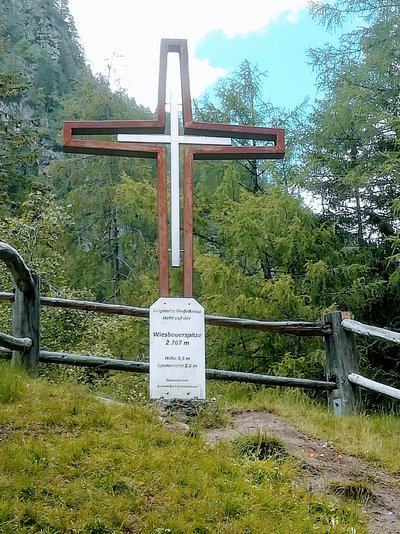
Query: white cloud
<point x="126" y="34"/>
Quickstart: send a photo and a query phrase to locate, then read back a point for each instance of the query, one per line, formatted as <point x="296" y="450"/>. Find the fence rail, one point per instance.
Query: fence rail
<point x="362" y="329"/>
<point x="366" y="383"/>
<point x="296" y="328"/>
<point x="18" y="268"/>
<point x="370" y="331"/>
<point x="15" y="343"/>
<point x="111" y="364"/>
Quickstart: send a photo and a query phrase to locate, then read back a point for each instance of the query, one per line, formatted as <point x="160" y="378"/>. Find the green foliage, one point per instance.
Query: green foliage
<point x="249" y="234"/>
<point x="108" y="243"/>
<point x="304" y="365"/>
<point x="353" y="142"/>
<point x="238" y="100"/>
<point x="269" y="257"/>
<point x="37" y="235"/>
<point x="351" y="155"/>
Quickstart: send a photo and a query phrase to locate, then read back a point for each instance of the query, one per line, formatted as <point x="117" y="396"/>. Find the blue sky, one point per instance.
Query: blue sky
<point x="280" y="51"/>
<point x="122" y="38"/>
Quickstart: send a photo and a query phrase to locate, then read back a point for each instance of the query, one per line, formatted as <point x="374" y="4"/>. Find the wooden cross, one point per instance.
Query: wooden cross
<point x="148" y="139"/>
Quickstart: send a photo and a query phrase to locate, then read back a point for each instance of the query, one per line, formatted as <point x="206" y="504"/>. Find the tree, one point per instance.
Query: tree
<point x="352" y="152"/>
<point x="352" y="144"/>
<point x="101" y="258"/>
<point x="353" y="135"/>
<point x="260" y="252"/>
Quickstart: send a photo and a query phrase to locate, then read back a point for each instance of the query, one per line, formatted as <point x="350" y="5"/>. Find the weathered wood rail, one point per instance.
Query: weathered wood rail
<point x="296" y="328"/>
<point x="15" y="343"/>
<point x="25" y="340"/>
<point x="372" y="385"/>
<point x="338" y="330"/>
<point x="17" y="267"/>
<point x="112" y="364"/>
<point x="342" y="362"/>
<point x="354" y="327"/>
<point x="370" y="331"/>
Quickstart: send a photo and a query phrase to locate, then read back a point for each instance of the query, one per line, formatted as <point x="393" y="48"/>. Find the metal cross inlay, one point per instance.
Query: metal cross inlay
<point x="148" y="139"/>
<point x="175" y="140"/>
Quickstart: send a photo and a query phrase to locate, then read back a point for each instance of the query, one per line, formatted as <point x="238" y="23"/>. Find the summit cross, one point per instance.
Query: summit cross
<point x="148" y="139"/>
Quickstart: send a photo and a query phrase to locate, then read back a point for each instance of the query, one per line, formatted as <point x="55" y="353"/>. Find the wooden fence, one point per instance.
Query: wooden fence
<point x="338" y="328"/>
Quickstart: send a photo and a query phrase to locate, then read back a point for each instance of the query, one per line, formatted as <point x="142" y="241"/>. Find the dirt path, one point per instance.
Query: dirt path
<point x="323" y="465"/>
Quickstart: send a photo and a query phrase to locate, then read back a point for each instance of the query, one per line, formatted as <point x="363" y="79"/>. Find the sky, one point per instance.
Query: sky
<point x="121" y="39"/>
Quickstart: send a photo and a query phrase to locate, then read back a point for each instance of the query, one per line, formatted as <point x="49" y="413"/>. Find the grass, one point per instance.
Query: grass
<point x="370" y="436"/>
<point x="353" y="489"/>
<point x="260" y="447"/>
<point x="12" y="385"/>
<point x="72" y="464"/>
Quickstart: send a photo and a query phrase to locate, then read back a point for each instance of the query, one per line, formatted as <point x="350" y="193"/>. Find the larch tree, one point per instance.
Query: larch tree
<point x="351" y="156"/>
<point x="102" y="256"/>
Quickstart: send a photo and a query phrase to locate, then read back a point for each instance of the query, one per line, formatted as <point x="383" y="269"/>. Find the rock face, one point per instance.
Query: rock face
<point x="38" y="32"/>
<point x="40" y="54"/>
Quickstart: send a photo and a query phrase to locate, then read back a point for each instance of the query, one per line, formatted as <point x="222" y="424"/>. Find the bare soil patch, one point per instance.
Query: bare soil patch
<point x="323" y="465"/>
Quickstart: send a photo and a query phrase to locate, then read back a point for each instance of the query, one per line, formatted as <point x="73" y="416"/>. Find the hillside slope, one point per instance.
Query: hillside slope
<point x="70" y="463"/>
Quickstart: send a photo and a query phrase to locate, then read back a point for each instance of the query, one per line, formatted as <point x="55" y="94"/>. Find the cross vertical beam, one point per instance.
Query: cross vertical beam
<point x="162" y="223"/>
<point x="188" y="224"/>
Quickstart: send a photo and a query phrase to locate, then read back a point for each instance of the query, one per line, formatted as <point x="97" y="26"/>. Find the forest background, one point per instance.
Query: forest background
<point x="273" y="240"/>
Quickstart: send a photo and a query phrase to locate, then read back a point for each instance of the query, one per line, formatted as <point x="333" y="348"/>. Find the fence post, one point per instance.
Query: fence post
<point x="26" y="323"/>
<point x="341" y="358"/>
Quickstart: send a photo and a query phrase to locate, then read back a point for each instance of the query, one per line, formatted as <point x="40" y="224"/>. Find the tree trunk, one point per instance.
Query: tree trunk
<point x="115" y="256"/>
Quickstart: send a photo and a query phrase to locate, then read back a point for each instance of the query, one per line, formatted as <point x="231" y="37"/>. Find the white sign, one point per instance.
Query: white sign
<point x="177" y="349"/>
